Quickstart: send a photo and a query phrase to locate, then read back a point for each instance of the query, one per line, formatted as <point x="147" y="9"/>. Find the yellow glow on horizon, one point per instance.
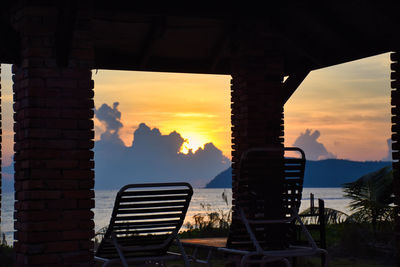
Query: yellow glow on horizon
<point x="195" y="105"/>
<point x="349" y="104"/>
<point x="193" y="141"/>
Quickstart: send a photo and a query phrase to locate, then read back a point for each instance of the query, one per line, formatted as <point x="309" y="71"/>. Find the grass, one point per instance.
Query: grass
<point x="6" y="255"/>
<point x="349" y="244"/>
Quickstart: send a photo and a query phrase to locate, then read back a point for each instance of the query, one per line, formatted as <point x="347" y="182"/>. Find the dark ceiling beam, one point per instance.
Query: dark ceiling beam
<point x="67" y="12"/>
<point x="302" y="52"/>
<point x="108" y="59"/>
<point x="292" y="83"/>
<point x="156" y="31"/>
<point x="341" y="30"/>
<point x="220" y="48"/>
<point x="189" y="10"/>
<point x="311" y="49"/>
<point x="293" y="65"/>
<point x="9" y="43"/>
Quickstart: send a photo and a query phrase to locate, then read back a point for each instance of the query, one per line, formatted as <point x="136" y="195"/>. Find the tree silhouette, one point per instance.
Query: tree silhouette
<point x="371" y="197"/>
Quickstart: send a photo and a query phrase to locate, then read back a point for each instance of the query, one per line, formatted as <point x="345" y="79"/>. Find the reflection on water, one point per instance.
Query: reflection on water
<point x="212" y="198"/>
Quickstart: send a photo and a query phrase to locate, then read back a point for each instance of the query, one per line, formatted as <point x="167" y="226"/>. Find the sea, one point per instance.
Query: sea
<point x="203" y="201"/>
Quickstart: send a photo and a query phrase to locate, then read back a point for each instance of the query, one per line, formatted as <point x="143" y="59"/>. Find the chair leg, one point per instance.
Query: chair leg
<point x="209" y="255"/>
<point x="264" y="260"/>
<point x="116" y="245"/>
<point x="244" y="260"/>
<point x="324" y="259"/>
<point x="183" y="253"/>
<point x="284" y="260"/>
<point x="294" y="261"/>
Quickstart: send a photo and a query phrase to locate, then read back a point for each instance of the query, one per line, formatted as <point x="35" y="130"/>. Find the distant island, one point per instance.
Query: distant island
<point x="321" y="173"/>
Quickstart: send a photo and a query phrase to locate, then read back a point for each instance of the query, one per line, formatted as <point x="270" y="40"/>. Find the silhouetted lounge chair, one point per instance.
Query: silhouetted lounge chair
<point x="257" y="236"/>
<point x="270" y="229"/>
<point x="145" y="222"/>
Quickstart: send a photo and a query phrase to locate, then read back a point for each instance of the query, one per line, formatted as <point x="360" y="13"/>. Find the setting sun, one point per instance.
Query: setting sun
<point x="193" y="141"/>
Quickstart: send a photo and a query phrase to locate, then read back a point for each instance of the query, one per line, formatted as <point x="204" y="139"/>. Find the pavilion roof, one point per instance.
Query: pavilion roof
<point x="197" y="40"/>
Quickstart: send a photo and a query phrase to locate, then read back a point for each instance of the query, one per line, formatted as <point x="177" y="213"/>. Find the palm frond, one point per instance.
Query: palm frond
<point x="332" y="216"/>
<point x="371" y="196"/>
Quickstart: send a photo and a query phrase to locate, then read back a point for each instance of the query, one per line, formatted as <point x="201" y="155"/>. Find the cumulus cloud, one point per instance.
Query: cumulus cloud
<point x="389" y="154"/>
<point x="152" y="156"/>
<point x="110" y="117"/>
<point x="313" y="149"/>
<point x="151" y="141"/>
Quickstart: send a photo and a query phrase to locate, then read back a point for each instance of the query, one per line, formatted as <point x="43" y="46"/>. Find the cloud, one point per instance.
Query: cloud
<point x="111" y="120"/>
<point x="389" y="154"/>
<point x="312" y="148"/>
<point x="152" y="156"/>
<point x="151" y="141"/>
<point x="111" y="117"/>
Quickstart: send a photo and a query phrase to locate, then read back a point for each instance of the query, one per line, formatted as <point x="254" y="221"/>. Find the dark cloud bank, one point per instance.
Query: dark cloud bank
<point x="152" y="157"/>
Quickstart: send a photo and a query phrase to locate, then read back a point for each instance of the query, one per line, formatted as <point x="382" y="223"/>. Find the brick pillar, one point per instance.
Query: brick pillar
<point x="54" y="176"/>
<point x="395" y="101"/>
<point x="257" y="121"/>
<point x="1" y="141"/>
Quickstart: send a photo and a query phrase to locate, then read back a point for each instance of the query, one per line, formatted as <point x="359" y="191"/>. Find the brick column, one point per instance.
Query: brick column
<point x="395" y="101"/>
<point x="54" y="176"/>
<point x="257" y="121"/>
<point x="1" y="142"/>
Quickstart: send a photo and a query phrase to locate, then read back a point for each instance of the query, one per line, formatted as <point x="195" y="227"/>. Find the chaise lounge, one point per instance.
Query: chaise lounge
<point x="144" y="223"/>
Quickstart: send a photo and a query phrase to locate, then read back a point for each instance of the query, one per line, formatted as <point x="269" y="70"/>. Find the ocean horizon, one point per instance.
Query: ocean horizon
<point x="204" y="200"/>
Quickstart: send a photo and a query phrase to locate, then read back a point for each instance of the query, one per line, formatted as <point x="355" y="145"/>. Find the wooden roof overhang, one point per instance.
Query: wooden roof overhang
<point x="198" y="40"/>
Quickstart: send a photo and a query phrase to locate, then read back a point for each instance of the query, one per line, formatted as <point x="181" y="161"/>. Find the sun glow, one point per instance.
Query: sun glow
<point x="193" y="143"/>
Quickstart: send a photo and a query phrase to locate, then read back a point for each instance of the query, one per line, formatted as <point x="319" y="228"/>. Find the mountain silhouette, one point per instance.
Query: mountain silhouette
<point x="322" y="173"/>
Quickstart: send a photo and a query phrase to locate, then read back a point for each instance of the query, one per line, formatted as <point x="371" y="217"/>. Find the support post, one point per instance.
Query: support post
<point x="395" y="102"/>
<point x="257" y="121"/>
<point x="54" y="176"/>
<point x="1" y="147"/>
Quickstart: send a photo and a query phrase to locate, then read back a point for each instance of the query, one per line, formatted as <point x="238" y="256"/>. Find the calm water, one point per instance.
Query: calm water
<point x="202" y="199"/>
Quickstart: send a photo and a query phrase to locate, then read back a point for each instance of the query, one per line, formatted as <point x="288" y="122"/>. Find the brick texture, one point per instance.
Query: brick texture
<point x="54" y="176"/>
<point x="395" y="102"/>
<point x="1" y="141"/>
<point x="257" y="121"/>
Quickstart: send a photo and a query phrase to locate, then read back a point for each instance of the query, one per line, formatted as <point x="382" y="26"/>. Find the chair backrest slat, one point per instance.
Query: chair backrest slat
<point x="145" y="218"/>
<point x="155" y="192"/>
<point x="141" y="224"/>
<point x="153" y="198"/>
<point x="148" y="217"/>
<point x="150" y="210"/>
<point x="150" y="205"/>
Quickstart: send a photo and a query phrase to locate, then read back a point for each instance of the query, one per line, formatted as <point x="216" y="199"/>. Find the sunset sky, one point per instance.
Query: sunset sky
<point x="348" y="104"/>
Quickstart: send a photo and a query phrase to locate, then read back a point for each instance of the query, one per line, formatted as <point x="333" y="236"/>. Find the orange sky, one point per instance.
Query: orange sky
<point x="349" y="104"/>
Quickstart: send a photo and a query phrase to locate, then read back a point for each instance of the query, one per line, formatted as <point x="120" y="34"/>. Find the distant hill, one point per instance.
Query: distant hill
<point x="222" y="180"/>
<point x="322" y="173"/>
<point x="7" y="182"/>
